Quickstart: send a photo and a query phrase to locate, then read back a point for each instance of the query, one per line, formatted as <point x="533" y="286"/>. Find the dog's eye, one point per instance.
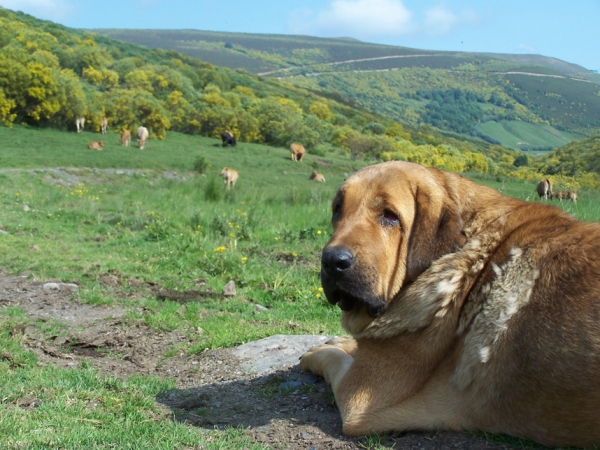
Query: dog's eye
<point x="389" y="218"/>
<point x="336" y="210"/>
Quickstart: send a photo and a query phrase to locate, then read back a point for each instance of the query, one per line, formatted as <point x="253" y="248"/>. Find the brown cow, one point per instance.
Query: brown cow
<point x="96" y="145"/>
<point x="126" y="138"/>
<point x="297" y="151"/>
<point x="317" y="176"/>
<point x="103" y="125"/>
<point x="230" y="177"/>
<point x="142" y="135"/>
<point x="572" y="195"/>
<point x="565" y="195"/>
<point x="544" y="189"/>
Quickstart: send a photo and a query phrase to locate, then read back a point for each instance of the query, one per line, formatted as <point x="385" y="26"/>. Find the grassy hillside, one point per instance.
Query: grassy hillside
<point x="542" y="91"/>
<point x="526" y="136"/>
<point x="50" y="74"/>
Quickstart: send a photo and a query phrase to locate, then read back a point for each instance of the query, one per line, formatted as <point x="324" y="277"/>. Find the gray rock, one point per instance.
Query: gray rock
<point x="290" y="384"/>
<point x="260" y="307"/>
<point x="275" y="352"/>
<point x="48" y="287"/>
<point x="229" y="289"/>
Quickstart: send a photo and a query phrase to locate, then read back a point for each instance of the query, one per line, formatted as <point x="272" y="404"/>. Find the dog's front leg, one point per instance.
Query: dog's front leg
<point x="330" y="360"/>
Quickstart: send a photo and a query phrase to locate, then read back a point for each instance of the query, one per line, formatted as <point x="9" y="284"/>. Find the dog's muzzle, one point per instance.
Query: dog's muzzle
<point x="345" y="286"/>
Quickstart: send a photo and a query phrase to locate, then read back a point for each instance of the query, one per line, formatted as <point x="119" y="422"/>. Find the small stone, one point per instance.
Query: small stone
<point x="306" y="435"/>
<point x="25" y="207"/>
<point x="260" y="307"/>
<point x="35" y="248"/>
<point x="51" y="287"/>
<point x="290" y="385"/>
<point x="69" y="287"/>
<point x="229" y="289"/>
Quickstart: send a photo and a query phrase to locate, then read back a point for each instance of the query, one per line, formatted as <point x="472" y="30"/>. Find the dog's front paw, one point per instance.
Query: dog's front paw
<point x="325" y="360"/>
<point x="308" y="361"/>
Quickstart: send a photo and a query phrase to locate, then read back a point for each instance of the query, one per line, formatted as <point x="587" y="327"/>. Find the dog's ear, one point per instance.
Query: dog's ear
<point x="437" y="230"/>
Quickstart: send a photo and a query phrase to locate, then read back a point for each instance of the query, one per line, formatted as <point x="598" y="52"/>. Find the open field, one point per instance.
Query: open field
<point x="150" y="244"/>
<point x="519" y="135"/>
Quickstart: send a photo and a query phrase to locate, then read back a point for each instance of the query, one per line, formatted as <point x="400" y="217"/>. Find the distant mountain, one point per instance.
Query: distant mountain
<point x="558" y="101"/>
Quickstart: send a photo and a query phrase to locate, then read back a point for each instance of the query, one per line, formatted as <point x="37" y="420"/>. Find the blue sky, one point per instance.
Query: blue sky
<point x="568" y="30"/>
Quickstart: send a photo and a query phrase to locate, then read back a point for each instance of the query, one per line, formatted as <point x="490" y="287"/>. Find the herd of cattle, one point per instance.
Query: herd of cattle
<point x="297" y="151"/>
<point x="141" y="134"/>
<point x="544" y="190"/>
<point x="229" y="175"/>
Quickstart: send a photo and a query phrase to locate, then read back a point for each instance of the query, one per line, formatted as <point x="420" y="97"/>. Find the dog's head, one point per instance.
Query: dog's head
<point x="390" y="221"/>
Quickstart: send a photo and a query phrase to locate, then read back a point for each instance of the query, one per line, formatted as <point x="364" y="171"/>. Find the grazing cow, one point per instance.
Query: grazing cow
<point x="544" y="189"/>
<point x="126" y="138"/>
<point x="572" y="195"/>
<point x="565" y="195"/>
<point x="104" y="125"/>
<point x="297" y="151"/>
<point x="228" y="138"/>
<point x="230" y="177"/>
<point x="80" y="123"/>
<point x="96" y="145"/>
<point x="142" y="136"/>
<point x="317" y="176"/>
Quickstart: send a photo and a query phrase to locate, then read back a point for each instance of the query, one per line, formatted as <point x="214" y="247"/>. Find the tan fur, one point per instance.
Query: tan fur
<point x="126" y="138"/>
<point x="103" y="125"/>
<point x="297" y="151"/>
<point x="467" y="310"/>
<point x="96" y="145"/>
<point x="230" y="177"/>
<point x="142" y="136"/>
<point x="317" y="176"/>
<point x="544" y="189"/>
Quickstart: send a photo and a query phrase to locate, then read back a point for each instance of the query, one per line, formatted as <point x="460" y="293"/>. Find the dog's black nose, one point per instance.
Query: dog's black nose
<point x="336" y="260"/>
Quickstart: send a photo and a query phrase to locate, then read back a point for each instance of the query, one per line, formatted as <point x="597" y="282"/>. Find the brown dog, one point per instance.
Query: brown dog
<point x="467" y="310"/>
<point x="96" y="145"/>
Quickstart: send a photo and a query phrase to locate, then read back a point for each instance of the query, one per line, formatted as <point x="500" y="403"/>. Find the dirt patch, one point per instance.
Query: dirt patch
<point x="281" y="409"/>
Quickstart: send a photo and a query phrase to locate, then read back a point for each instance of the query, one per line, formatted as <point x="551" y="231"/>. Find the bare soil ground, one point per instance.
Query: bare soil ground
<point x="283" y="409"/>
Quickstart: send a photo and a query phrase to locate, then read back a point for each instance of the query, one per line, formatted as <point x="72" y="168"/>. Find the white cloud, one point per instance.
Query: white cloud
<point x="378" y="19"/>
<point x="439" y="20"/>
<point x="42" y="9"/>
<point x="356" y="18"/>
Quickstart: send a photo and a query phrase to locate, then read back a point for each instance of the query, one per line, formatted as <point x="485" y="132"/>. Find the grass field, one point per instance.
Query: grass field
<point x="518" y="134"/>
<point x="74" y="215"/>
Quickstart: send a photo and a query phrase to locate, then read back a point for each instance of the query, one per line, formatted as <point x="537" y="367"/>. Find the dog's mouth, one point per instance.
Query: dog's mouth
<point x="349" y="302"/>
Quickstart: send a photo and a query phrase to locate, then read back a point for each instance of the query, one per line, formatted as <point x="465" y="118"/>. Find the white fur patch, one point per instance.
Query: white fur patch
<point x="503" y="298"/>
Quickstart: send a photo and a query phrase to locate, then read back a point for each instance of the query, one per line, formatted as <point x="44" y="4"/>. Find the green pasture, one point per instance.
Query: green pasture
<point x="73" y="215"/>
<point x="518" y="134"/>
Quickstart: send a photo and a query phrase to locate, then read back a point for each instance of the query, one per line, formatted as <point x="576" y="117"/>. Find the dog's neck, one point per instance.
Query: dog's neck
<point x="436" y="296"/>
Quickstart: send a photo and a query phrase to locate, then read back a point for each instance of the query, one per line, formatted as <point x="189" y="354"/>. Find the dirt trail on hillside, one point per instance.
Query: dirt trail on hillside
<point x="281" y="409"/>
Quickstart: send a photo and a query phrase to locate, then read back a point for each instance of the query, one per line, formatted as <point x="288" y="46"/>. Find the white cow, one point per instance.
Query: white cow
<point x="80" y="123"/>
<point x="142" y="136"/>
<point x="104" y="125"/>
